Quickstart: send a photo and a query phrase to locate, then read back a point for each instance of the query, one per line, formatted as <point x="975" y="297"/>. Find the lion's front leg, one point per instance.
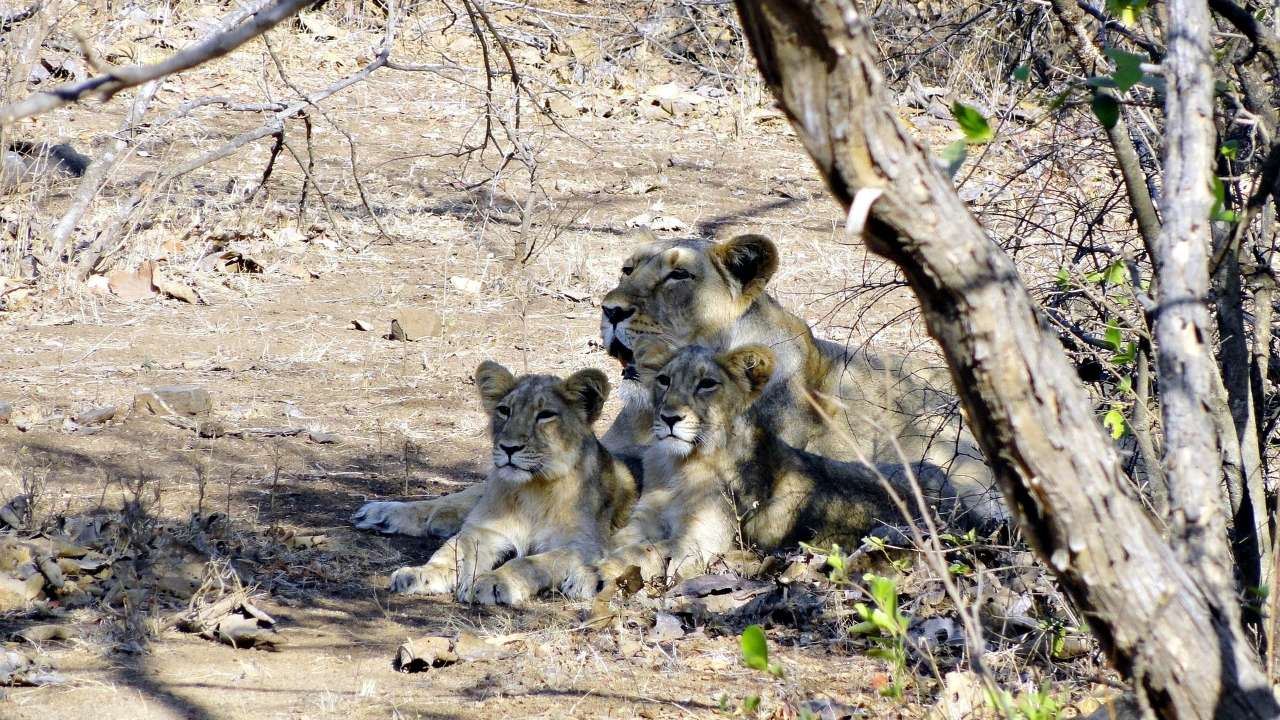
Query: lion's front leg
<point x="524" y="578"/>
<point x="440" y="517"/>
<point x="454" y="566"/>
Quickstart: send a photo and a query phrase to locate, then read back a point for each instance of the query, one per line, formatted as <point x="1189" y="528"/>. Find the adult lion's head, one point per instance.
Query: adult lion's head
<point x="684" y="292"/>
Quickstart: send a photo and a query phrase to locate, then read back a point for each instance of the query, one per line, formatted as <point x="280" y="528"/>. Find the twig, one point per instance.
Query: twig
<point x="8" y="21"/>
<point x="92" y="181"/>
<point x="129" y="76"/>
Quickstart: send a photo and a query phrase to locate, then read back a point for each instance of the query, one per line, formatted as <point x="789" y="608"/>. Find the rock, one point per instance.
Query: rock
<point x="467" y="285"/>
<point x="95" y="416"/>
<point x="174" y="400"/>
<point x="414" y="324"/>
<point x="666" y="627"/>
<point x="323" y="438"/>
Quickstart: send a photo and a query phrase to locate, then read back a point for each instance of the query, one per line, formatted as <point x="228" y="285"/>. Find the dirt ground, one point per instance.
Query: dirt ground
<point x="278" y="349"/>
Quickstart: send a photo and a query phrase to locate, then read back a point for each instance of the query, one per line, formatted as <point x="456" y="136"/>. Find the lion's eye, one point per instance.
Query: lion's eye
<point x="503" y="411"/>
<point x="679" y="274"/>
<point x="545" y="415"/>
<point x="626" y="269"/>
<point x="707" y="384"/>
<point x="663" y="380"/>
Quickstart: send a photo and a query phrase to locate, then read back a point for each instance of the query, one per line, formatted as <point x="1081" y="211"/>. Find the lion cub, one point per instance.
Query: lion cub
<point x="716" y="481"/>
<point x="553" y="498"/>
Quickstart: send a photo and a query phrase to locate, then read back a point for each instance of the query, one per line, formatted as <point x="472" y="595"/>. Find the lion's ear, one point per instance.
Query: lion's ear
<point x="751" y="365"/>
<point x="494" y="382"/>
<point x="751" y="260"/>
<point x="587" y="390"/>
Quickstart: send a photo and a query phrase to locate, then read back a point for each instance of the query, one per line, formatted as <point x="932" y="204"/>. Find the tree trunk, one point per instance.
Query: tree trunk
<point x="1182" y="334"/>
<point x="1057" y="470"/>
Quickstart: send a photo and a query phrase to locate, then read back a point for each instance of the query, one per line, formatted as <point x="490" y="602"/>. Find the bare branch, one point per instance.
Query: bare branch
<point x="105" y="86"/>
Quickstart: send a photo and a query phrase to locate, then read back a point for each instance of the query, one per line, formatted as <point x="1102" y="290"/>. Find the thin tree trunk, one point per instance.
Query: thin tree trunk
<point x="1188" y="377"/>
<point x="1057" y="470"/>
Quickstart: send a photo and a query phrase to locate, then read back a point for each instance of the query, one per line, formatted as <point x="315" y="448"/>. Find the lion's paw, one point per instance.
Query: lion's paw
<point x="582" y="583"/>
<point x="423" y="579"/>
<point x="495" y="589"/>
<point x="392" y="518"/>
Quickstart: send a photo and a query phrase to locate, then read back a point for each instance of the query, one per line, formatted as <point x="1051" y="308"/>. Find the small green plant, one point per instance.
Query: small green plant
<point x="755" y="652"/>
<point x="886" y="628"/>
<point x="835" y="560"/>
<point x="1037" y="705"/>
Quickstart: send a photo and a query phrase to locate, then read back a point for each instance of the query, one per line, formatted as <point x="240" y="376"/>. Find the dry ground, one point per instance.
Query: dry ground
<point x="279" y="350"/>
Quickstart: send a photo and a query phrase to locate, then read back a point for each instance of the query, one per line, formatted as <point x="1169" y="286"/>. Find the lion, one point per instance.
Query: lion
<point x="850" y="406"/>
<point x="716" y="481"/>
<point x="554" y="497"/>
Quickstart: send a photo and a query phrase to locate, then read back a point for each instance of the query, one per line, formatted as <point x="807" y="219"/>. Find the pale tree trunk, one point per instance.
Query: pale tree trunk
<point x="1162" y="627"/>
<point x="1182" y="333"/>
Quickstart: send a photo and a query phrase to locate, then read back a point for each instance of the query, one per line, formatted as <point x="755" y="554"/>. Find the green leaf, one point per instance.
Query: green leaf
<point x="755" y="652"/>
<point x="1022" y="73"/>
<point x="1064" y="279"/>
<point x="1112" y="336"/>
<point x="1126" y="11"/>
<point x="1219" y="212"/>
<point x="1230" y="149"/>
<point x="953" y="155"/>
<point x="1107" y="109"/>
<point x="1125" y="356"/>
<point x="1117" y="273"/>
<point x="959" y="568"/>
<point x="1128" y="70"/>
<point x="1114" y="422"/>
<point x="864" y="628"/>
<point x="1125" y="386"/>
<point x="976" y="128"/>
<point x="751" y="703"/>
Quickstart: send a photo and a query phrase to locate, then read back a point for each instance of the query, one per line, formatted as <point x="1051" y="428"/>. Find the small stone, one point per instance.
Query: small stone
<point x="95" y="416"/>
<point x="467" y="285"/>
<point x="414" y="324"/>
<point x="174" y="400"/>
<point x="323" y="438"/>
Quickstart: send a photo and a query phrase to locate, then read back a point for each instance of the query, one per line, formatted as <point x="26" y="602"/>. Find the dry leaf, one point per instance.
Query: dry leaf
<point x="133" y="284"/>
<point x="177" y="290"/>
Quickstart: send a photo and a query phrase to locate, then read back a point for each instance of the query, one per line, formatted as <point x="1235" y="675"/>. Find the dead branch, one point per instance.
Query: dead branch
<point x="106" y="86"/>
<point x="93" y="180"/>
<point x="8" y="21"/>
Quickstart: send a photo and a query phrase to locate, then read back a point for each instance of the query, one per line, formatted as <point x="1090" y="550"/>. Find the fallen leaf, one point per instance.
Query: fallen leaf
<point x="132" y="285"/>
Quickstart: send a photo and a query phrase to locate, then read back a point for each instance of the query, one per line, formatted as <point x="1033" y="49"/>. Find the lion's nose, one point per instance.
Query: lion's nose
<point x="616" y="313"/>
<point x="671" y="420"/>
<point x="510" y="450"/>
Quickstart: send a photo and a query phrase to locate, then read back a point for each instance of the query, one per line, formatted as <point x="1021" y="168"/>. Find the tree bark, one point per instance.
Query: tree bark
<point x="1058" y="472"/>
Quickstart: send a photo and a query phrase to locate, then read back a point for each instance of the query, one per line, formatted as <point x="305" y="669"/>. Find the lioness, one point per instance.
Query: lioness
<point x="553" y="498"/>
<point x="821" y="398"/>
<point x="715" y="480"/>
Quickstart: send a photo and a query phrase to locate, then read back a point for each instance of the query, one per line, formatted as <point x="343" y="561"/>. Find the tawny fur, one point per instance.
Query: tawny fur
<point x="553" y="498"/>
<point x="716" y="481"/>
<point x="846" y="406"/>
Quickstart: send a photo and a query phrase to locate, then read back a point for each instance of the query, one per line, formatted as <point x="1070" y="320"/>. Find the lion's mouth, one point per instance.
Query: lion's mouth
<point x="624" y="355"/>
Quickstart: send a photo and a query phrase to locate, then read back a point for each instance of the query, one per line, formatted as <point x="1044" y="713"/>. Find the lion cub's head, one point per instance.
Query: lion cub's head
<point x="540" y="424"/>
<point x="686" y="291"/>
<point x="698" y="393"/>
